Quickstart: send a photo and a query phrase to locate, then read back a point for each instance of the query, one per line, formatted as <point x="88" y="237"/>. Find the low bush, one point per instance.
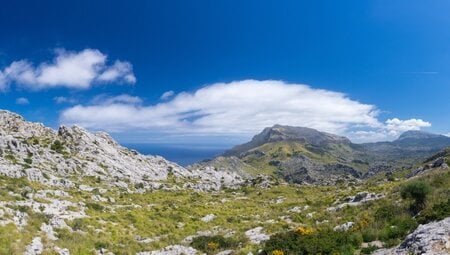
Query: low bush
<point x="418" y="191"/>
<point x="369" y="250"/>
<point x="211" y="244"/>
<point x="325" y="241"/>
<point x="437" y="212"/>
<point x="398" y="228"/>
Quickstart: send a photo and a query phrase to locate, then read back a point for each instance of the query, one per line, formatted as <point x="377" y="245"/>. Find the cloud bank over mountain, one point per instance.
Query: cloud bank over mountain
<point x="241" y="108"/>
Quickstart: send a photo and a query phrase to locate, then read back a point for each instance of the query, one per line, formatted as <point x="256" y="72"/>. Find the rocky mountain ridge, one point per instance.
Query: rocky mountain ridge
<point x="71" y="191"/>
<point x="304" y="155"/>
<point x="283" y="133"/>
<point x="61" y="158"/>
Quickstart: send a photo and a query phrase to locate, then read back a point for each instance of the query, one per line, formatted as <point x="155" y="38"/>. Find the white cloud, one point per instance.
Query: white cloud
<point x="65" y="100"/>
<point x="120" y="99"/>
<point x="390" y="130"/>
<point x="399" y="126"/>
<point x="166" y="95"/>
<point x="119" y="70"/>
<point x="240" y="108"/>
<point x="226" y="108"/>
<point x="22" y="101"/>
<point x="79" y="70"/>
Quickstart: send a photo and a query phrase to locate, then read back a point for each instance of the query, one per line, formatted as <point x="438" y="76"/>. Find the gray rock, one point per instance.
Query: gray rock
<point x="208" y="218"/>
<point x="35" y="248"/>
<point x="226" y="252"/>
<point x="257" y="235"/>
<point x="429" y="239"/>
<point x="344" y="227"/>
<point x="172" y="250"/>
<point x="52" y="157"/>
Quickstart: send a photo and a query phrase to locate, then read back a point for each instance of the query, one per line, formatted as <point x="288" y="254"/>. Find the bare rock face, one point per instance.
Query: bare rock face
<point x="59" y="158"/>
<point x="432" y="238"/>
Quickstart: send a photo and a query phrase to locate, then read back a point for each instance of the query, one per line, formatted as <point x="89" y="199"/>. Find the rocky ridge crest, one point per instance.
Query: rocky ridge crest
<point x="63" y="157"/>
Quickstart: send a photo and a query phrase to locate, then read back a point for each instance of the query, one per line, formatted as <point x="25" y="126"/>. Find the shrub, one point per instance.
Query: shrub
<point x="95" y="206"/>
<point x="369" y="250"/>
<point x="28" y="161"/>
<point x="417" y="190"/>
<point x="437" y="212"/>
<point x="369" y="235"/>
<point x="57" y="146"/>
<point x="77" y="224"/>
<point x="277" y="252"/>
<point x="324" y="241"/>
<point x="11" y="158"/>
<point x="398" y="228"/>
<point x="303" y="231"/>
<point x="210" y="244"/>
<point x="386" y="213"/>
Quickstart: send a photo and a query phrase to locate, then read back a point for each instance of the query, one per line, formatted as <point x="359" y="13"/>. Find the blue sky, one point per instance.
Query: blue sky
<point x="366" y="69"/>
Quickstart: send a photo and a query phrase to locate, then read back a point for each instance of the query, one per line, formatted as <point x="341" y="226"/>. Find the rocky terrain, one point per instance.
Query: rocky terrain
<point x="304" y="155"/>
<point x="431" y="238"/>
<point x="61" y="158"/>
<point x="74" y="192"/>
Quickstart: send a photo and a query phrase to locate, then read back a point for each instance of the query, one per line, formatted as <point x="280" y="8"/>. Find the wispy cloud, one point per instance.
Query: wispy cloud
<point x="65" y="100"/>
<point x="166" y="95"/>
<point x="105" y="99"/>
<point x="239" y="108"/>
<point x="77" y="70"/>
<point x="22" y="101"/>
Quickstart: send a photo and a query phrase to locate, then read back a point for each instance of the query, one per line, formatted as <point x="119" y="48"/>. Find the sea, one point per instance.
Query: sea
<point x="180" y="154"/>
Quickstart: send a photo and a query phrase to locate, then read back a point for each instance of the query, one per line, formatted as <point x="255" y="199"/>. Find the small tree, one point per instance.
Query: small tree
<point x="57" y="146"/>
<point x="417" y="190"/>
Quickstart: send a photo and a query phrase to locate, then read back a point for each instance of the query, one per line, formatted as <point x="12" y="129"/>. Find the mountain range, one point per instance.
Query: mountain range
<point x="290" y="190"/>
<point x="305" y="155"/>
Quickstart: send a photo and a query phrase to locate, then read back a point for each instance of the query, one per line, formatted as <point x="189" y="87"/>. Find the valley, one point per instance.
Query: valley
<point x="289" y="191"/>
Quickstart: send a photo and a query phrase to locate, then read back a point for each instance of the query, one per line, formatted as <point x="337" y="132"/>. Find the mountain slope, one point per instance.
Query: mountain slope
<point x="283" y="133"/>
<point x="66" y="157"/>
<point x="63" y="204"/>
<point x="300" y="155"/>
<point x="415" y="144"/>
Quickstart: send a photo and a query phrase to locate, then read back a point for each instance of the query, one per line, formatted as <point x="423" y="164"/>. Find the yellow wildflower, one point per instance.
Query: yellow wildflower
<point x="277" y="252"/>
<point x="304" y="231"/>
<point x="213" y="246"/>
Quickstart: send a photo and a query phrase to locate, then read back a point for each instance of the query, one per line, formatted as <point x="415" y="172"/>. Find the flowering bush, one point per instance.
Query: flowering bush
<point x="277" y="252"/>
<point x="213" y="246"/>
<point x="304" y="231"/>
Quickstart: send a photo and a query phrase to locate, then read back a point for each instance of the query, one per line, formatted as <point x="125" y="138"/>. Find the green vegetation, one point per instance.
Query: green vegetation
<point x="58" y="147"/>
<point x="213" y="244"/>
<point x="418" y="191"/>
<point x="168" y="217"/>
<point x="437" y="212"/>
<point x="323" y="241"/>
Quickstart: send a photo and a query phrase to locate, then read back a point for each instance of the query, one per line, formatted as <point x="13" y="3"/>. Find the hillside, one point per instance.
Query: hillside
<point x="304" y="155"/>
<point x="66" y="157"/>
<point x="74" y="192"/>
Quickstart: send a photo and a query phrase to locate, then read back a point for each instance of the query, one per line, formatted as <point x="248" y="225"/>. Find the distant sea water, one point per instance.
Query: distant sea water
<point x="182" y="155"/>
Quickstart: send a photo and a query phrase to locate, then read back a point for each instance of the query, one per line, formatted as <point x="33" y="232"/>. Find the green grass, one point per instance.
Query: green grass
<point x="158" y="214"/>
